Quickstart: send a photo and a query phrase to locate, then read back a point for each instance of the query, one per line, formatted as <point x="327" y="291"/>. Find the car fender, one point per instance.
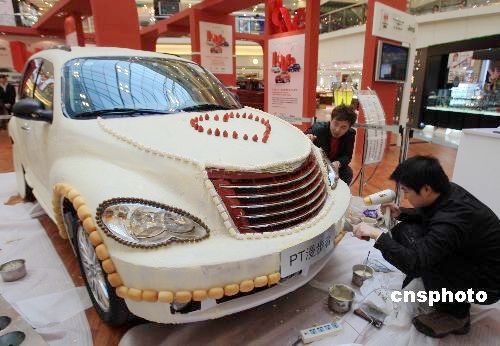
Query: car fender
<point x="97" y="181"/>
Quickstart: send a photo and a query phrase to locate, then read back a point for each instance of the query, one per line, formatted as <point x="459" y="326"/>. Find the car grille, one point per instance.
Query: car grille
<point x="271" y="201"/>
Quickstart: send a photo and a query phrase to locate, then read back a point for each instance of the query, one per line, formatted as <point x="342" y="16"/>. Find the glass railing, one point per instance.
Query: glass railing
<point x="434" y="6"/>
<point x="354" y="15"/>
<point x="343" y="18"/>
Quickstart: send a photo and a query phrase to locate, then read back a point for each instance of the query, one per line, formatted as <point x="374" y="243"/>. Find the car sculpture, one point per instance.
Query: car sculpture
<point x="180" y="204"/>
<point x="283" y="77"/>
<point x="294" y="67"/>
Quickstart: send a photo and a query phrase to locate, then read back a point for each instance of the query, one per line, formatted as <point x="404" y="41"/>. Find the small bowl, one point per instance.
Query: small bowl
<point x="360" y="273"/>
<point x="13" y="270"/>
<point x="13" y="338"/>
<point x="340" y="298"/>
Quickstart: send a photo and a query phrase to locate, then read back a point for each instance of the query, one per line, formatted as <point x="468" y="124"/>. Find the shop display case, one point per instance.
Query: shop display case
<point x="464" y="106"/>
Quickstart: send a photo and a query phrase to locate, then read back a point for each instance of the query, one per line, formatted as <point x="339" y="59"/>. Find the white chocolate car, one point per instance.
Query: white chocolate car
<point x="180" y="204"/>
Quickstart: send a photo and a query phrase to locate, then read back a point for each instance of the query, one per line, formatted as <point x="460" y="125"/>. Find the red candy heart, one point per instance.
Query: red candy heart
<point x="226" y="117"/>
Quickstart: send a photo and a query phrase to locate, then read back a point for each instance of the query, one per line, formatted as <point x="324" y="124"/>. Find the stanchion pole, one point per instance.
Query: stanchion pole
<point x="403" y="153"/>
<point x="362" y="169"/>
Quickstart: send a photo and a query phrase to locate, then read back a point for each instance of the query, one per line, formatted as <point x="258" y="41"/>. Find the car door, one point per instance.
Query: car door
<point x="38" y="140"/>
<point x="24" y="126"/>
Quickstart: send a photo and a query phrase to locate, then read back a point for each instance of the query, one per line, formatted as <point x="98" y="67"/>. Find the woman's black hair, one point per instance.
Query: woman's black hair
<point x="418" y="171"/>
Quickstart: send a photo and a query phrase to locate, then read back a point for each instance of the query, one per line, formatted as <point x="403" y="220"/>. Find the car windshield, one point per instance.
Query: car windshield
<point x="116" y="86"/>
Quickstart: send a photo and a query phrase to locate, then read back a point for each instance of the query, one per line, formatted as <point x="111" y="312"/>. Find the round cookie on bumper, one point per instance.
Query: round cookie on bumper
<point x="216" y="293"/>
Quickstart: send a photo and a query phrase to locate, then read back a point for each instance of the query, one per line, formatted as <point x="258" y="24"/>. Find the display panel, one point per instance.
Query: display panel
<point x="392" y="61"/>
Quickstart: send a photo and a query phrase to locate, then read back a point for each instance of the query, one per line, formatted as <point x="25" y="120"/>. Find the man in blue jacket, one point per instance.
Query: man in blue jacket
<point x="336" y="138"/>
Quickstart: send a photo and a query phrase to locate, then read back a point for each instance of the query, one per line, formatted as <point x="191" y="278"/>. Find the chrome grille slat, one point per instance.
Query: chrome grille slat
<point x="268" y="225"/>
<point x="275" y="204"/>
<point x="263" y="186"/>
<point x="271" y="201"/>
<point x="275" y="194"/>
<point x="288" y="211"/>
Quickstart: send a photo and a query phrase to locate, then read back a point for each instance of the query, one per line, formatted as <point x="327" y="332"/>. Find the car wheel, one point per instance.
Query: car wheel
<point x="24" y="190"/>
<point x="110" y="308"/>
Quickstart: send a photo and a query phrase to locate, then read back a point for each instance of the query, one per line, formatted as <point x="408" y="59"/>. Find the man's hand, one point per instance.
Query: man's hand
<point x="395" y="211"/>
<point x="364" y="230"/>
<point x="336" y="165"/>
<point x="311" y="137"/>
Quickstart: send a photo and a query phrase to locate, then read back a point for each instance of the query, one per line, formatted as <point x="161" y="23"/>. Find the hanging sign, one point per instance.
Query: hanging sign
<point x="374" y="115"/>
<point x="216" y="42"/>
<point x="393" y="24"/>
<point x="285" y="77"/>
<point x="7" y="13"/>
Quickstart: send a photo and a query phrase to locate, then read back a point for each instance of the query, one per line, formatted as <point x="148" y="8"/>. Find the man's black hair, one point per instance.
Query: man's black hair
<point x="418" y="171"/>
<point x="344" y="113"/>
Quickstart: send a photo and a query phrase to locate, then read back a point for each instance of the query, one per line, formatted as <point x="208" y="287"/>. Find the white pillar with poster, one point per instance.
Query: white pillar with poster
<point x="285" y="77"/>
<point x="394" y="65"/>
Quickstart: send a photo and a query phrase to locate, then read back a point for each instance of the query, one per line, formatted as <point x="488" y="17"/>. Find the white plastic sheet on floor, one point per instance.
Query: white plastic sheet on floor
<point x="46" y="297"/>
<point x="279" y="322"/>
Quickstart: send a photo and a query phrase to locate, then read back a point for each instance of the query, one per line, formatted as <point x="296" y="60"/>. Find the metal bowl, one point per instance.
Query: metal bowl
<point x="4" y="322"/>
<point x="13" y="270"/>
<point x="12" y="339"/>
<point x="340" y="298"/>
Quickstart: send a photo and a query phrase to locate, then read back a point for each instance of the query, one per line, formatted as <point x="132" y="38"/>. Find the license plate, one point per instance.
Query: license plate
<point x="301" y="256"/>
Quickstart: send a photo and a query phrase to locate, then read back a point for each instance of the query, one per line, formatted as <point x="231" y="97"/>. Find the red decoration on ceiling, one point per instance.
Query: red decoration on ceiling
<point x="281" y="19"/>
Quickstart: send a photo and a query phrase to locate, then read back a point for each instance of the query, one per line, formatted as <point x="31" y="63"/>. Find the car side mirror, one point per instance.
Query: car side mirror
<point x="31" y="109"/>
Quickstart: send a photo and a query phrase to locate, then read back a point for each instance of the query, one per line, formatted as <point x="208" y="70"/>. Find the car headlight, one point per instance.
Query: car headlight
<point x="332" y="174"/>
<point x="140" y="223"/>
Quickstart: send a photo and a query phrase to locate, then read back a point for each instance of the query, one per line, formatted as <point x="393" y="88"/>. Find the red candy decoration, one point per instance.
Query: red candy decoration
<point x="194" y="122"/>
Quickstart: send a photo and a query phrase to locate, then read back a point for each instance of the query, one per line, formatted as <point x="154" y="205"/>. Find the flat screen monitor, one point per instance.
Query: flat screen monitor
<point x="392" y="62"/>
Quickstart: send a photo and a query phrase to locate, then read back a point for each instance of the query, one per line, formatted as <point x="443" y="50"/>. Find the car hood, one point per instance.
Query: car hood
<point x="174" y="136"/>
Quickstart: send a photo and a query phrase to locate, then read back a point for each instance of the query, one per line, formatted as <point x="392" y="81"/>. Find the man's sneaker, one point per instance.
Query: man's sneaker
<point x="439" y="324"/>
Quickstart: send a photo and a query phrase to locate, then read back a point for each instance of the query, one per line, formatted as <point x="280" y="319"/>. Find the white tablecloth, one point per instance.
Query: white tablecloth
<point x="46" y="297"/>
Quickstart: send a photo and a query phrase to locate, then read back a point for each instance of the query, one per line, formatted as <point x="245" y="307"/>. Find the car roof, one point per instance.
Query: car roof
<point x="59" y="56"/>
